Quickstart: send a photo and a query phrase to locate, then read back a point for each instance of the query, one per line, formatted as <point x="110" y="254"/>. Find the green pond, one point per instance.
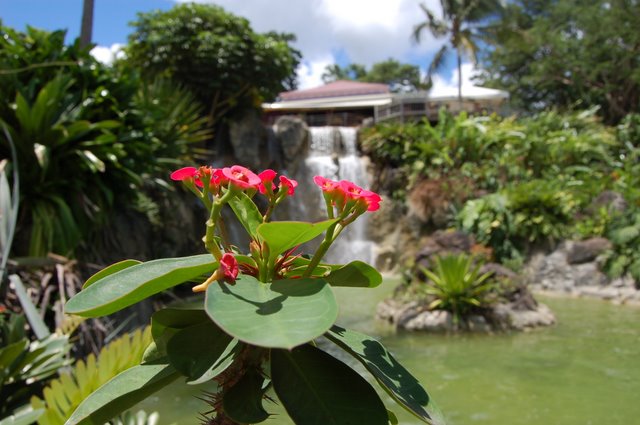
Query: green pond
<point x="584" y="370"/>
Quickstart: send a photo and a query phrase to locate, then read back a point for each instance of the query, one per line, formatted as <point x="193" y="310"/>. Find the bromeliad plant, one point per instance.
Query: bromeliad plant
<point x="263" y="315"/>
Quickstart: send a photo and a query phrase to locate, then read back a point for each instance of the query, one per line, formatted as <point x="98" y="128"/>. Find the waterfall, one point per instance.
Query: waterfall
<point x="333" y="154"/>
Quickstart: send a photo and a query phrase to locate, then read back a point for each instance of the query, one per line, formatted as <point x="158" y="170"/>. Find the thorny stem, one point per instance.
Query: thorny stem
<point x="209" y="240"/>
<point x="249" y="357"/>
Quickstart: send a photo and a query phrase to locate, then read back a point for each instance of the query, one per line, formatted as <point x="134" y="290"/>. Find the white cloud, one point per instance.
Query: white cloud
<point x="107" y="54"/>
<point x="310" y="73"/>
<point x="366" y="31"/>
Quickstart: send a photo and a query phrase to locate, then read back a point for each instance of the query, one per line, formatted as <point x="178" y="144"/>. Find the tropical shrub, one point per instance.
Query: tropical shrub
<point x="262" y="312"/>
<point x="624" y="257"/>
<point x="456" y="285"/>
<point x="26" y="365"/>
<point x="214" y="54"/>
<point x="63" y="395"/>
<point x="87" y="136"/>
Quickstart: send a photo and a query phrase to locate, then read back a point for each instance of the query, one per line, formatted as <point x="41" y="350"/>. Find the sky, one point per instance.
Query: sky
<point x="327" y="31"/>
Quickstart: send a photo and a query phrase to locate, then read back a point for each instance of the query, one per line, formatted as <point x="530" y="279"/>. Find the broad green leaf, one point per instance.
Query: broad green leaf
<point x="114" y="268"/>
<point x="247" y="213"/>
<point x="166" y="322"/>
<point x="26" y="415"/>
<point x="282" y="314"/>
<point x="195" y="350"/>
<point x="317" y="389"/>
<point x="284" y="235"/>
<point x="243" y="402"/>
<point x="30" y="310"/>
<point x="126" y="287"/>
<point x="393" y="419"/>
<point x="391" y="375"/>
<point x="355" y="274"/>
<point x="225" y="360"/>
<point x="122" y="392"/>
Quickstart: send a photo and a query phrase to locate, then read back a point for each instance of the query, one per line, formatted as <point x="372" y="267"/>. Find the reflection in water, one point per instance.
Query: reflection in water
<point x="582" y="371"/>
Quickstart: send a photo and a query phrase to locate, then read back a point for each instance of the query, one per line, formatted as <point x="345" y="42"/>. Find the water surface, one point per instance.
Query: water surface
<point x="584" y="370"/>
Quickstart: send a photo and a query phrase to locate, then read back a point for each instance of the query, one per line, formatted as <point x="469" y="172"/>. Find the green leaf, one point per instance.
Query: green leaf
<point x="122" y="392"/>
<point x="26" y="415"/>
<point x="391" y="375"/>
<point x="317" y="389"/>
<point x="284" y="235"/>
<point x="243" y="402"/>
<point x="166" y="322"/>
<point x="247" y="213"/>
<point x="30" y="310"/>
<point x="126" y="287"/>
<point x="282" y="314"/>
<point x="193" y="351"/>
<point x="355" y="274"/>
<point x="114" y="268"/>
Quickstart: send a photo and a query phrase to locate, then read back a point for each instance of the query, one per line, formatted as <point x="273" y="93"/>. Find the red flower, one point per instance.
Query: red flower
<point x="241" y="177"/>
<point x="185" y="173"/>
<point x="366" y="197"/>
<point x="229" y="266"/>
<point x="326" y="185"/>
<point x="266" y="178"/>
<point x="289" y="184"/>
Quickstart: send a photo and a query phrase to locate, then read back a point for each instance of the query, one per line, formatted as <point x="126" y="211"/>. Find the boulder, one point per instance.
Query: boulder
<point x="610" y="200"/>
<point x="292" y="134"/>
<point x="248" y="139"/>
<point x="587" y="250"/>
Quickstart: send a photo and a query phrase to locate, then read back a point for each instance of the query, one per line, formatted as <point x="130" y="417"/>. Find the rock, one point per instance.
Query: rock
<point x="525" y="319"/>
<point x="434" y="321"/>
<point x="499" y="271"/>
<point x="587" y="250"/>
<point x="609" y="199"/>
<point x="292" y="134"/>
<point x="247" y="136"/>
<point x="454" y="240"/>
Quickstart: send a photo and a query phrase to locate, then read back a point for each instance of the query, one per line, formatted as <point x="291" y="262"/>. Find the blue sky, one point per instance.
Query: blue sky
<point x="328" y="31"/>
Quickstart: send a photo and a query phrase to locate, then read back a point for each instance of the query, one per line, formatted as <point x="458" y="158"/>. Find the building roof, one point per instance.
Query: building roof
<point x="335" y="89"/>
<point x="352" y="94"/>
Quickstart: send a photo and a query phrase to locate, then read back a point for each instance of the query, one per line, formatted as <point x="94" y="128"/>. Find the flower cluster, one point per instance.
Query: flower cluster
<point x="347" y="197"/>
<point x="218" y="186"/>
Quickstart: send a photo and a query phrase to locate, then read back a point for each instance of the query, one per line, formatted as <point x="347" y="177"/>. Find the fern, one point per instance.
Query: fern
<point x="64" y="394"/>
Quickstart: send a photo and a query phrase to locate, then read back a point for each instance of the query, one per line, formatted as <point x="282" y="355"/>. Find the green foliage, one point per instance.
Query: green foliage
<point x="26" y="365"/>
<point x="624" y="257"/>
<point x="533" y="213"/>
<point x="457" y="285"/>
<point x="87" y="136"/>
<point x="214" y="54"/>
<point x="400" y="77"/>
<point x="63" y="395"/>
<point x="567" y="53"/>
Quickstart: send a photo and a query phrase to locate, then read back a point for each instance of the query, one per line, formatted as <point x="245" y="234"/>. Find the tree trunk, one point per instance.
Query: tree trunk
<point x="459" y="78"/>
<point x="87" y="23"/>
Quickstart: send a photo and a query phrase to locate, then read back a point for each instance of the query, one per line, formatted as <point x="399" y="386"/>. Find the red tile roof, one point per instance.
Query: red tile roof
<point x="336" y="89"/>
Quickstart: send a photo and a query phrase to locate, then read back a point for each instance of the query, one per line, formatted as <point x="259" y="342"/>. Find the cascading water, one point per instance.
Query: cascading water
<point x="333" y="154"/>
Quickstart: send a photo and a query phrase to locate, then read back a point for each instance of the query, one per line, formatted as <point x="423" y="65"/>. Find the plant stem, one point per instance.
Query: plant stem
<point x="329" y="237"/>
<point x="209" y="240"/>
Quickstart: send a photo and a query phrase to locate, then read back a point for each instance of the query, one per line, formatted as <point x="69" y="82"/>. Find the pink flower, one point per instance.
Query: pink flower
<point x="366" y="197"/>
<point x="326" y="185"/>
<point x="289" y="184"/>
<point x="229" y="266"/>
<point x="241" y="177"/>
<point x="185" y="173"/>
<point x="266" y="178"/>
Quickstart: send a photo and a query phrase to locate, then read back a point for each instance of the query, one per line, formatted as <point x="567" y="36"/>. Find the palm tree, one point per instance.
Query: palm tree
<point x="460" y="22"/>
<point x="86" y="28"/>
